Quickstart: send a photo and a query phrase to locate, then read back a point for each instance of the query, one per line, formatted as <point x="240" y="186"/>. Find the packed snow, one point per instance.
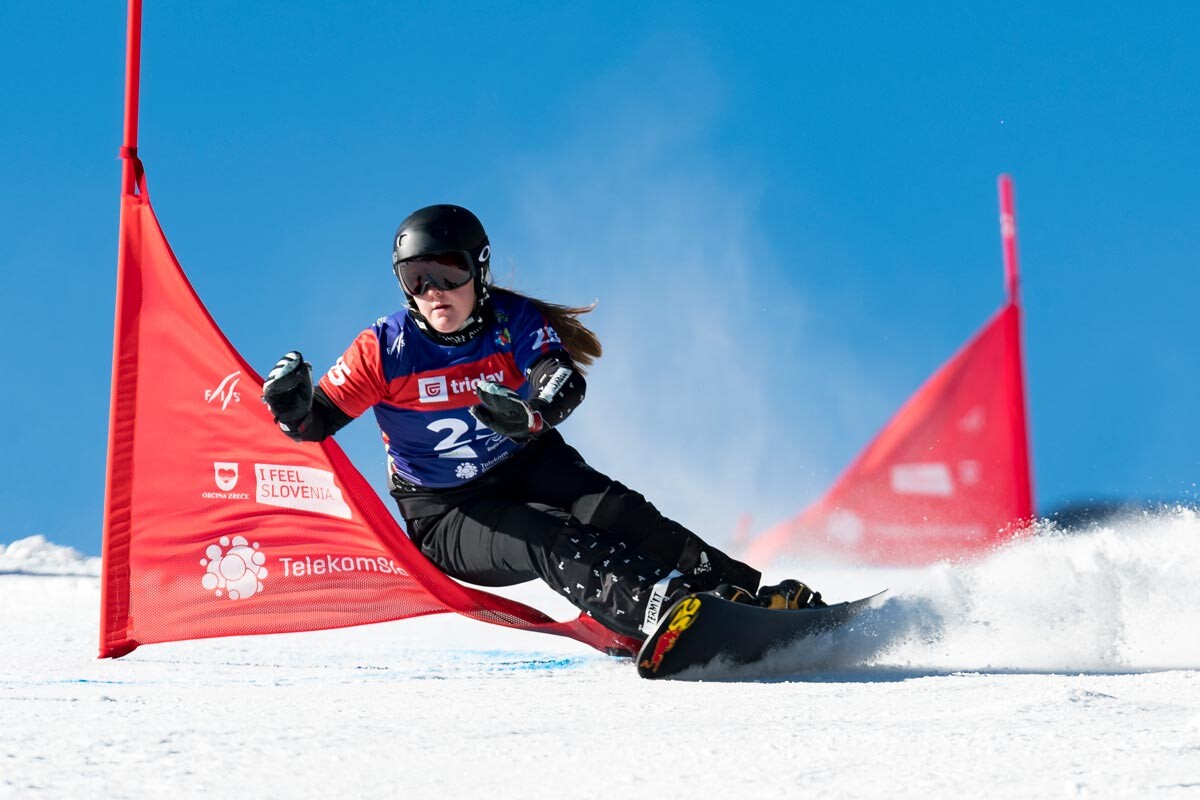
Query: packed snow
<point x="1066" y="664"/>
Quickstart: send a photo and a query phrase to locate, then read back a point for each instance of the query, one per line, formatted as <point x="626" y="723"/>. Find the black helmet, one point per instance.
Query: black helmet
<point x="443" y="229"/>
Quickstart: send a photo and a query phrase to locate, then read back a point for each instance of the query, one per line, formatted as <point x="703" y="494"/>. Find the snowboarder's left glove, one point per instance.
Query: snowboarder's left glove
<point x="502" y="410"/>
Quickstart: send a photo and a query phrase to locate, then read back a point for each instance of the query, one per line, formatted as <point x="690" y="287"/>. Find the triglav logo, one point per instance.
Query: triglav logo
<point x="432" y="390"/>
<point x="440" y="389"/>
<point x="226" y="475"/>
<point x="237" y="572"/>
<point x="470" y="384"/>
<point x="225" y="391"/>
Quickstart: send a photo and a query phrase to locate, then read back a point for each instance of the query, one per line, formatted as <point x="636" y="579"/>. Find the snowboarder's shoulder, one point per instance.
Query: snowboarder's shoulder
<point x="515" y="310"/>
<point x="507" y="301"/>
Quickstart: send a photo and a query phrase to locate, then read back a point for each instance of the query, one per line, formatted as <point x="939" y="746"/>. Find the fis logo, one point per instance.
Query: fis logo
<point x="974" y="421"/>
<point x="397" y="345"/>
<point x="226" y="391"/>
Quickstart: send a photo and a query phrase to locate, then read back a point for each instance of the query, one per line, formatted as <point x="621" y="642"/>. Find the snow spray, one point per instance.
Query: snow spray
<point x="1113" y="598"/>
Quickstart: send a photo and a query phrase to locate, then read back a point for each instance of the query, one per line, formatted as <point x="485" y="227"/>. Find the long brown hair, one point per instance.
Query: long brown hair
<point x="578" y="339"/>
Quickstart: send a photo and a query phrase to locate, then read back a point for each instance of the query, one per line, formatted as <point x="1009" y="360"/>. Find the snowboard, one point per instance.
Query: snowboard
<point x="702" y="627"/>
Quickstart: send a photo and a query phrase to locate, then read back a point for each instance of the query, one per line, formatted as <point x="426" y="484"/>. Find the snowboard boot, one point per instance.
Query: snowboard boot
<point x="789" y="594"/>
<point x="734" y="594"/>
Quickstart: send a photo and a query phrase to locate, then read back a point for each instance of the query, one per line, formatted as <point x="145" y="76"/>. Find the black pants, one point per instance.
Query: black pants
<point x="546" y="514"/>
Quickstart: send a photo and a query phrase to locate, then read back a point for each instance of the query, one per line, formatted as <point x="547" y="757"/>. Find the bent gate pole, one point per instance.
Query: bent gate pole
<point x="1012" y="285"/>
<point x="114" y="600"/>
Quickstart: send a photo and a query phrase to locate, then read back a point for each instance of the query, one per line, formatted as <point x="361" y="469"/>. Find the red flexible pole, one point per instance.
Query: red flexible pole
<point x="133" y="74"/>
<point x="1012" y="279"/>
<point x="114" y="584"/>
<point x="1008" y="237"/>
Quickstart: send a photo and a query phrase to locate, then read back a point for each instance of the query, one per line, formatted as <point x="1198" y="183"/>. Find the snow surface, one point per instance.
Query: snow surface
<point x="1063" y="665"/>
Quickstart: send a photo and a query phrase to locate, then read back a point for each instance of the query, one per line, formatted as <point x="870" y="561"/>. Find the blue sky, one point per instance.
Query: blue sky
<point x="787" y="213"/>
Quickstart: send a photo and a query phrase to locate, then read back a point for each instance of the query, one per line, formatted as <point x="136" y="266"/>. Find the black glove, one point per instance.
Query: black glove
<point x="288" y="390"/>
<point x="502" y="410"/>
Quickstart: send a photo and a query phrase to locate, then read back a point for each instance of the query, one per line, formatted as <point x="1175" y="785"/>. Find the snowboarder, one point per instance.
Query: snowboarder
<point x="467" y="384"/>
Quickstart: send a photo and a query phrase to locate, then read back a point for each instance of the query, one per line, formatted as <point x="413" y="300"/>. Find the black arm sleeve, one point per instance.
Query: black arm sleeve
<point x="324" y="420"/>
<point x="558" y="388"/>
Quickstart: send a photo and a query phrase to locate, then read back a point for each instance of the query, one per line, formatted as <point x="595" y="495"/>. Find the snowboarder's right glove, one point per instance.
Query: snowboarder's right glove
<point x="288" y="391"/>
<point x="502" y="410"/>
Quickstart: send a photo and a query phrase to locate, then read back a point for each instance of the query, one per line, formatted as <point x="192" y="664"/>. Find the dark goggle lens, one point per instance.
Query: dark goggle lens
<point x="443" y="272"/>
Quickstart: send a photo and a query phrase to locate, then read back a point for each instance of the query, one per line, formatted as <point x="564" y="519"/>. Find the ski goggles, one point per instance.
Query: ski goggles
<point x="444" y="271"/>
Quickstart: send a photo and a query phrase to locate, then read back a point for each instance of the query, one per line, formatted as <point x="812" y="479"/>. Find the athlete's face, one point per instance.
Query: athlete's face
<point x="446" y="309"/>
